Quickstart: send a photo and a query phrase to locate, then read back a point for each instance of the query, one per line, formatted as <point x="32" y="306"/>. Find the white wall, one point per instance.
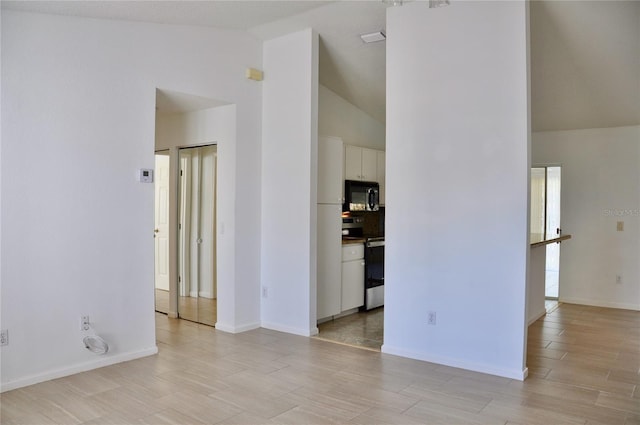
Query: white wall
<point x="600" y="186"/>
<point x="193" y="128"/>
<point x="289" y="179"/>
<point x="78" y="112"/>
<point x="457" y="164"/>
<point x="337" y="117"/>
<point x="1" y="302"/>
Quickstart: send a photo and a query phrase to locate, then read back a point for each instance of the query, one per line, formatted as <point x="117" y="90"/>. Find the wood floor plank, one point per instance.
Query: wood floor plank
<point x="617" y="402"/>
<point x="584" y="366"/>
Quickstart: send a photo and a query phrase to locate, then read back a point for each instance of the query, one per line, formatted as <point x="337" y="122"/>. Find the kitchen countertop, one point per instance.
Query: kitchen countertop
<point x="537" y="239"/>
<point x="351" y="240"/>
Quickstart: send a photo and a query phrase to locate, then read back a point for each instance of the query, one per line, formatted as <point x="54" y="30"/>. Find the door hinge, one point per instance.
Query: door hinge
<point x="180" y="173"/>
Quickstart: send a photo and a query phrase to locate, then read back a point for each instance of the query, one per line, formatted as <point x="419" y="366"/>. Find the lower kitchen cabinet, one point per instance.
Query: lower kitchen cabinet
<point x="352" y="276"/>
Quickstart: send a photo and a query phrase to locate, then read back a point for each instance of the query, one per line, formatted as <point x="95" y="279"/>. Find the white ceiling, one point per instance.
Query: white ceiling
<point x="585" y="55"/>
<point x="585" y="64"/>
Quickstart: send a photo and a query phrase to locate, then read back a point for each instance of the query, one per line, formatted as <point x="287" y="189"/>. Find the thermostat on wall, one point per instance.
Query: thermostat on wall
<point x="146" y="175"/>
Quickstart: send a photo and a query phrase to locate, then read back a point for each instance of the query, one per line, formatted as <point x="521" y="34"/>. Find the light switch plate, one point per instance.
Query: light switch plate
<point x="146" y="175"/>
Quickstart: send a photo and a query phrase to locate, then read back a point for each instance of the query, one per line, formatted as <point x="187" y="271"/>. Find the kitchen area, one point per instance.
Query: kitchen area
<point x="351" y="212"/>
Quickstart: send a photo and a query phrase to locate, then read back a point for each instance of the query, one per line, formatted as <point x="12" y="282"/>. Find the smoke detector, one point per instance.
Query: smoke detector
<point x="373" y="37"/>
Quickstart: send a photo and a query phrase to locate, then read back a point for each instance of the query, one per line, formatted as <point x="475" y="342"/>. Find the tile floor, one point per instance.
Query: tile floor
<point x="362" y="329"/>
<point x="200" y="310"/>
<point x="584" y="365"/>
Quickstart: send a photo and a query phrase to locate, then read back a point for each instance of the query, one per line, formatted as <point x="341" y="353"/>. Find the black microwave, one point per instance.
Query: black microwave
<point x="361" y="196"/>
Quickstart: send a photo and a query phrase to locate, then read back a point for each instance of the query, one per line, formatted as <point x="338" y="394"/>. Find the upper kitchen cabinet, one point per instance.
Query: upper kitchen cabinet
<point x="380" y="173"/>
<point x="330" y="173"/>
<point x="360" y="163"/>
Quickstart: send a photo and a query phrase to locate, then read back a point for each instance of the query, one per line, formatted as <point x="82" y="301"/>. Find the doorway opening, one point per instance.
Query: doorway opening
<point x="545" y="220"/>
<point x="197" y="248"/>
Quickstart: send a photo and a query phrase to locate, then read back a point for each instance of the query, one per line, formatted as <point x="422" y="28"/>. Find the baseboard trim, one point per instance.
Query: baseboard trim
<point x="597" y="303"/>
<point x="520" y="375"/>
<point x="236" y="329"/>
<point x="72" y="370"/>
<point x="537" y="316"/>
<point x="290" y="330"/>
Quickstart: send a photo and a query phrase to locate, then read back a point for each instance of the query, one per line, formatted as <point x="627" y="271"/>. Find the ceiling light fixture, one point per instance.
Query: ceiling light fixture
<point x="438" y="3"/>
<point x="372" y="37"/>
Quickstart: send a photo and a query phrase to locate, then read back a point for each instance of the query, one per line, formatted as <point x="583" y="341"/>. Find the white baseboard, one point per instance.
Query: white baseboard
<point x="520" y="375"/>
<point x="291" y="330"/>
<point x="72" y="370"/>
<point x="537" y="316"/>
<point x="206" y="294"/>
<point x="236" y="329"/>
<point x="598" y="303"/>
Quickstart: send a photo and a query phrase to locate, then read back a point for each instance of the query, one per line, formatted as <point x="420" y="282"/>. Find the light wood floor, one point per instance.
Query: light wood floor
<point x="201" y="310"/>
<point x="584" y="369"/>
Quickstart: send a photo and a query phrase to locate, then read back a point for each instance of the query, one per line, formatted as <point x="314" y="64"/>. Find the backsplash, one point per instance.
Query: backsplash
<point x="373" y="222"/>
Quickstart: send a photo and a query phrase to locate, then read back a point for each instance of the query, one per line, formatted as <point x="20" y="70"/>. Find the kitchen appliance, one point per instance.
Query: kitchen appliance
<point x="361" y="196"/>
<point x="352" y="226"/>
<point x="329" y="239"/>
<point x="373" y="273"/>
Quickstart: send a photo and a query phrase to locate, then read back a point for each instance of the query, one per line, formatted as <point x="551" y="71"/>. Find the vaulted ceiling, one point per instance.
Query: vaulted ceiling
<point x="585" y="55"/>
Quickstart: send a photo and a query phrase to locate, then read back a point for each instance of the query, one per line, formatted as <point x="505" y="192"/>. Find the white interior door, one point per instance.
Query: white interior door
<point x="162" y="222"/>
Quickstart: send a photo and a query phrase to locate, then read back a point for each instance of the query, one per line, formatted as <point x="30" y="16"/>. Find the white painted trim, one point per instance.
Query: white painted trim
<point x="172" y="314"/>
<point x="537" y="316"/>
<point x="290" y="330"/>
<point x="82" y="367"/>
<point x="597" y="303"/>
<point x="236" y="329"/>
<point x="520" y="375"/>
<point x="206" y="294"/>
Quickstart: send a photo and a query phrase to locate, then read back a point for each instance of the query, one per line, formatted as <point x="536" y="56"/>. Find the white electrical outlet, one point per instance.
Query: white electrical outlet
<point x="4" y="337"/>
<point x="84" y="323"/>
<point x="431" y="318"/>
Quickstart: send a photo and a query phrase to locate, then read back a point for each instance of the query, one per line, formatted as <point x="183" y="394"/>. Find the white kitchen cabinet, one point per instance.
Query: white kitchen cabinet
<point x="369" y="165"/>
<point x="360" y="163"/>
<point x="352" y="162"/>
<point x="329" y="261"/>
<point x="330" y="170"/>
<point x="352" y="276"/>
<point x="380" y="173"/>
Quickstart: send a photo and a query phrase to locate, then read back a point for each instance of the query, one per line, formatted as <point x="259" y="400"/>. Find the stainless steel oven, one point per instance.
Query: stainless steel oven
<point x="374" y="273"/>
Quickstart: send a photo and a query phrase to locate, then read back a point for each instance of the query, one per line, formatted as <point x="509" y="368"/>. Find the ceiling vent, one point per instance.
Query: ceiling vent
<point x="373" y="37"/>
